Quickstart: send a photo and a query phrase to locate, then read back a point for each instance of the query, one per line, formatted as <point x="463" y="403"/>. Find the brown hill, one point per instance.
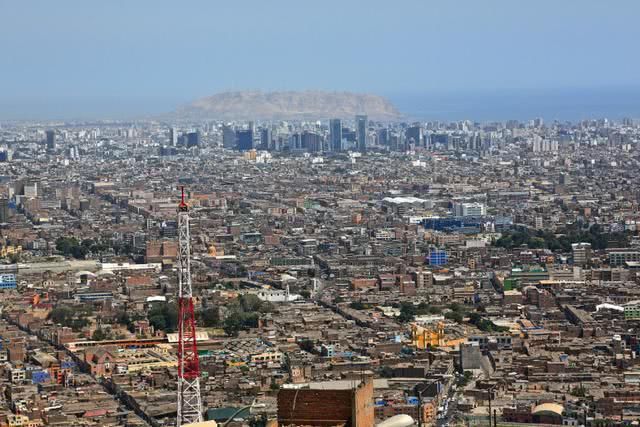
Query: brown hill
<point x="310" y="105"/>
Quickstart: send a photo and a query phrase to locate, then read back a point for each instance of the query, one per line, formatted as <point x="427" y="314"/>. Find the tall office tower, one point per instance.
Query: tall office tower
<point x="414" y="135"/>
<point x="254" y="134"/>
<point x="228" y="137"/>
<point x="427" y="140"/>
<point x="311" y="141"/>
<point x="245" y="139"/>
<point x="265" y="138"/>
<point x="335" y="134"/>
<point x="394" y="142"/>
<point x="193" y="139"/>
<point x="280" y="142"/>
<point x="295" y="142"/>
<point x="51" y="140"/>
<point x="383" y="137"/>
<point x="173" y="137"/>
<point x="361" y="132"/>
<point x="487" y="141"/>
<point x="476" y="142"/>
<point x="4" y="210"/>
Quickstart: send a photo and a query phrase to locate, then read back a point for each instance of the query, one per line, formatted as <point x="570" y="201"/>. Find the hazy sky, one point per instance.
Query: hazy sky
<point x="148" y="55"/>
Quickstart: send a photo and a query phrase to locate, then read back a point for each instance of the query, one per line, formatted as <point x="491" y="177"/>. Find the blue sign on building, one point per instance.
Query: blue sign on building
<point x="68" y="364"/>
<point x="7" y="281"/>
<point x="38" y="377"/>
<point x="413" y="400"/>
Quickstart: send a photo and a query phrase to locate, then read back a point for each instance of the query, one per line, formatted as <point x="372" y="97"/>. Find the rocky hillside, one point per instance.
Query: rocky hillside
<point x="289" y="106"/>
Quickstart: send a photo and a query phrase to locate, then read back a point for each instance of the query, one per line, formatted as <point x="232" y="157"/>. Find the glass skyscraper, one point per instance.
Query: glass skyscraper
<point x="335" y="134"/>
<point x="361" y="132"/>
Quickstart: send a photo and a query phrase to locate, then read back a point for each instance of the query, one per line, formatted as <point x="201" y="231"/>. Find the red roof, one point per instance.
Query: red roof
<point x="95" y="413"/>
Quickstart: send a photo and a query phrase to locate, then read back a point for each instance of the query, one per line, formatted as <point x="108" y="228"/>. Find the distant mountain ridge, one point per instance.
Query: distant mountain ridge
<point x="289" y="105"/>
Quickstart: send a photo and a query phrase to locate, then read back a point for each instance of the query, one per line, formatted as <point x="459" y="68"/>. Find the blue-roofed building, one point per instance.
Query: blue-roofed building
<point x="437" y="257"/>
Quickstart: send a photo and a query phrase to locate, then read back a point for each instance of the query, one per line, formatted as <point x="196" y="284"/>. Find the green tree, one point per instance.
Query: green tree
<point x="61" y="315"/>
<point x="579" y="391"/>
<point x="250" y="302"/>
<point x="123" y="318"/>
<point x="79" y="323"/>
<point x="65" y="316"/>
<point x="454" y="306"/>
<point x="233" y="324"/>
<point x="266" y="307"/>
<point x="475" y="318"/>
<point x="485" y="325"/>
<point x="67" y="245"/>
<point x="244" y="313"/>
<point x="465" y="378"/>
<point x="305" y="293"/>
<point x="158" y="321"/>
<point x="164" y="316"/>
<point x="210" y="316"/>
<point x="424" y="308"/>
<point x="249" y="320"/>
<point x="407" y="312"/>
<point x="455" y="316"/>
<point x="99" y="335"/>
<point x="357" y="305"/>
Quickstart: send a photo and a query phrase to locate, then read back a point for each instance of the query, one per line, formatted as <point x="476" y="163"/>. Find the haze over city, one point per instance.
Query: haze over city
<point x="434" y="59"/>
<point x="319" y="214"/>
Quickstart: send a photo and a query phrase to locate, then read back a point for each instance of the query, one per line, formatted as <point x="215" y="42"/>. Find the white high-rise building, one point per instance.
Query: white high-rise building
<point x="469" y="209"/>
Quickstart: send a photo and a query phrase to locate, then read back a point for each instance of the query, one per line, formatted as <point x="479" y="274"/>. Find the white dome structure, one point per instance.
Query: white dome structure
<point x="397" y="421"/>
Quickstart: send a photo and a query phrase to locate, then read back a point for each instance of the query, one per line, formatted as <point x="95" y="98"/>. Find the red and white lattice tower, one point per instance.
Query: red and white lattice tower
<point x="189" y="399"/>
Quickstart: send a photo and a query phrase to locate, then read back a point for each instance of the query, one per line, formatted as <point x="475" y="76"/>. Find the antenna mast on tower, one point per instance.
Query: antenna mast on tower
<point x="189" y="399"/>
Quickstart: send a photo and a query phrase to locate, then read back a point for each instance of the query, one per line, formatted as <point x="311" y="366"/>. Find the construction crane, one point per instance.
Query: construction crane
<point x="189" y="399"/>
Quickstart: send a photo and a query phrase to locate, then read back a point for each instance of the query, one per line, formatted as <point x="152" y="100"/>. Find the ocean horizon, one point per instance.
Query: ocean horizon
<point x="480" y="106"/>
<point x="501" y="105"/>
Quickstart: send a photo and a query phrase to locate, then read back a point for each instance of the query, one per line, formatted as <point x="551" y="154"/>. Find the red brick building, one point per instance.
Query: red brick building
<point x="323" y="408"/>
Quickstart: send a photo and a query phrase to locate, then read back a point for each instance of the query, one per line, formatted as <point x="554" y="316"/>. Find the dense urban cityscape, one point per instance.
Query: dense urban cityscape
<point x="290" y="213"/>
<point x="344" y="272"/>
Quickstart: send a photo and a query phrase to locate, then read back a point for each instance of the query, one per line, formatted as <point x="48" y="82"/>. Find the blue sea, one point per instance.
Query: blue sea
<point x="501" y="105"/>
